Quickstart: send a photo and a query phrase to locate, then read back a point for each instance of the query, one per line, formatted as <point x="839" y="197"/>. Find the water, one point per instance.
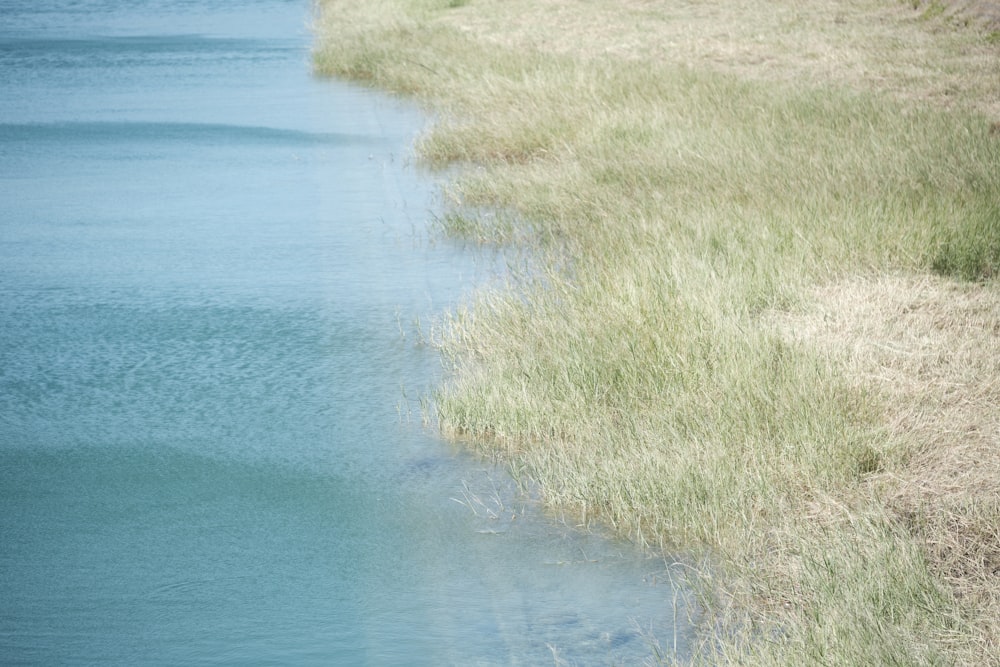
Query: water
<point x="210" y="452"/>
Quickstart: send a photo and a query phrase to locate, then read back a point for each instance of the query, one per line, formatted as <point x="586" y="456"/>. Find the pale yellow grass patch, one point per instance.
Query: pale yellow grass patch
<point x="931" y="348"/>
<point x="864" y="44"/>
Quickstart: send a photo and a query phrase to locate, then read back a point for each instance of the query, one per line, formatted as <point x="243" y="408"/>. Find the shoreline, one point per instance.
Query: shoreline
<point x="767" y="298"/>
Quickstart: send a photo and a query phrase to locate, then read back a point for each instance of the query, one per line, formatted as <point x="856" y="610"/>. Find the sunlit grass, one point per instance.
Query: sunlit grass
<point x="663" y="369"/>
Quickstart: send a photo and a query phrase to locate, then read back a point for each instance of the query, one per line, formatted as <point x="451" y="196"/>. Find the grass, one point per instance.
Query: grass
<point x="761" y="325"/>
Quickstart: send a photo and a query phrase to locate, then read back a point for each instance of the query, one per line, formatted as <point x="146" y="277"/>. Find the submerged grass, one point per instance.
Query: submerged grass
<point x="731" y="227"/>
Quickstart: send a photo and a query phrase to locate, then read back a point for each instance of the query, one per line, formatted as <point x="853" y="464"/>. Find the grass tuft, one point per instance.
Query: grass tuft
<point x="971" y="249"/>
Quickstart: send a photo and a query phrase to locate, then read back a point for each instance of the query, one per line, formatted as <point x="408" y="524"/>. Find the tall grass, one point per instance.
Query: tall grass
<point x="638" y="375"/>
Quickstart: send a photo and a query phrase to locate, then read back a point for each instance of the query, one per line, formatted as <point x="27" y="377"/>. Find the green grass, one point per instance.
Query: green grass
<point x="675" y="213"/>
<point x="933" y="10"/>
<point x="970" y="247"/>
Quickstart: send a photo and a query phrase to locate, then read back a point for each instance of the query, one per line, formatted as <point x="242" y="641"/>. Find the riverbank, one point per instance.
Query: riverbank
<point x="763" y="326"/>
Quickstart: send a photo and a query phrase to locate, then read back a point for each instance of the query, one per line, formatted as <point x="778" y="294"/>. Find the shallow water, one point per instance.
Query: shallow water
<point x="210" y="449"/>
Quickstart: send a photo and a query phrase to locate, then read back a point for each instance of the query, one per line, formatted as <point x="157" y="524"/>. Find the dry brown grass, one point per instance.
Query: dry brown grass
<point x="868" y="44"/>
<point x="982" y="14"/>
<point x="931" y="347"/>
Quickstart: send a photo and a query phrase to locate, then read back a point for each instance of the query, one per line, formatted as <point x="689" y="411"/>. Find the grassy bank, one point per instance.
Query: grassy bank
<point x="764" y="327"/>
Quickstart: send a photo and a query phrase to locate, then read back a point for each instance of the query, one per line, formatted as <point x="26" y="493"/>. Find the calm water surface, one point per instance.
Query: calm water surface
<point x="210" y="264"/>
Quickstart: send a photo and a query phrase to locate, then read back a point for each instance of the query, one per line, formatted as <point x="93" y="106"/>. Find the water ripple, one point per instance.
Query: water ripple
<point x="109" y="132"/>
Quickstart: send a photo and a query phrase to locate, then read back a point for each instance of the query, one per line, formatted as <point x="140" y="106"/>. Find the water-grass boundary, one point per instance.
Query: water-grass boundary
<point x="765" y="328"/>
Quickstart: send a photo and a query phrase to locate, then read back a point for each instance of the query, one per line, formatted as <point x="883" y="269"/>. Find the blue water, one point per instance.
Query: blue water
<point x="211" y="451"/>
